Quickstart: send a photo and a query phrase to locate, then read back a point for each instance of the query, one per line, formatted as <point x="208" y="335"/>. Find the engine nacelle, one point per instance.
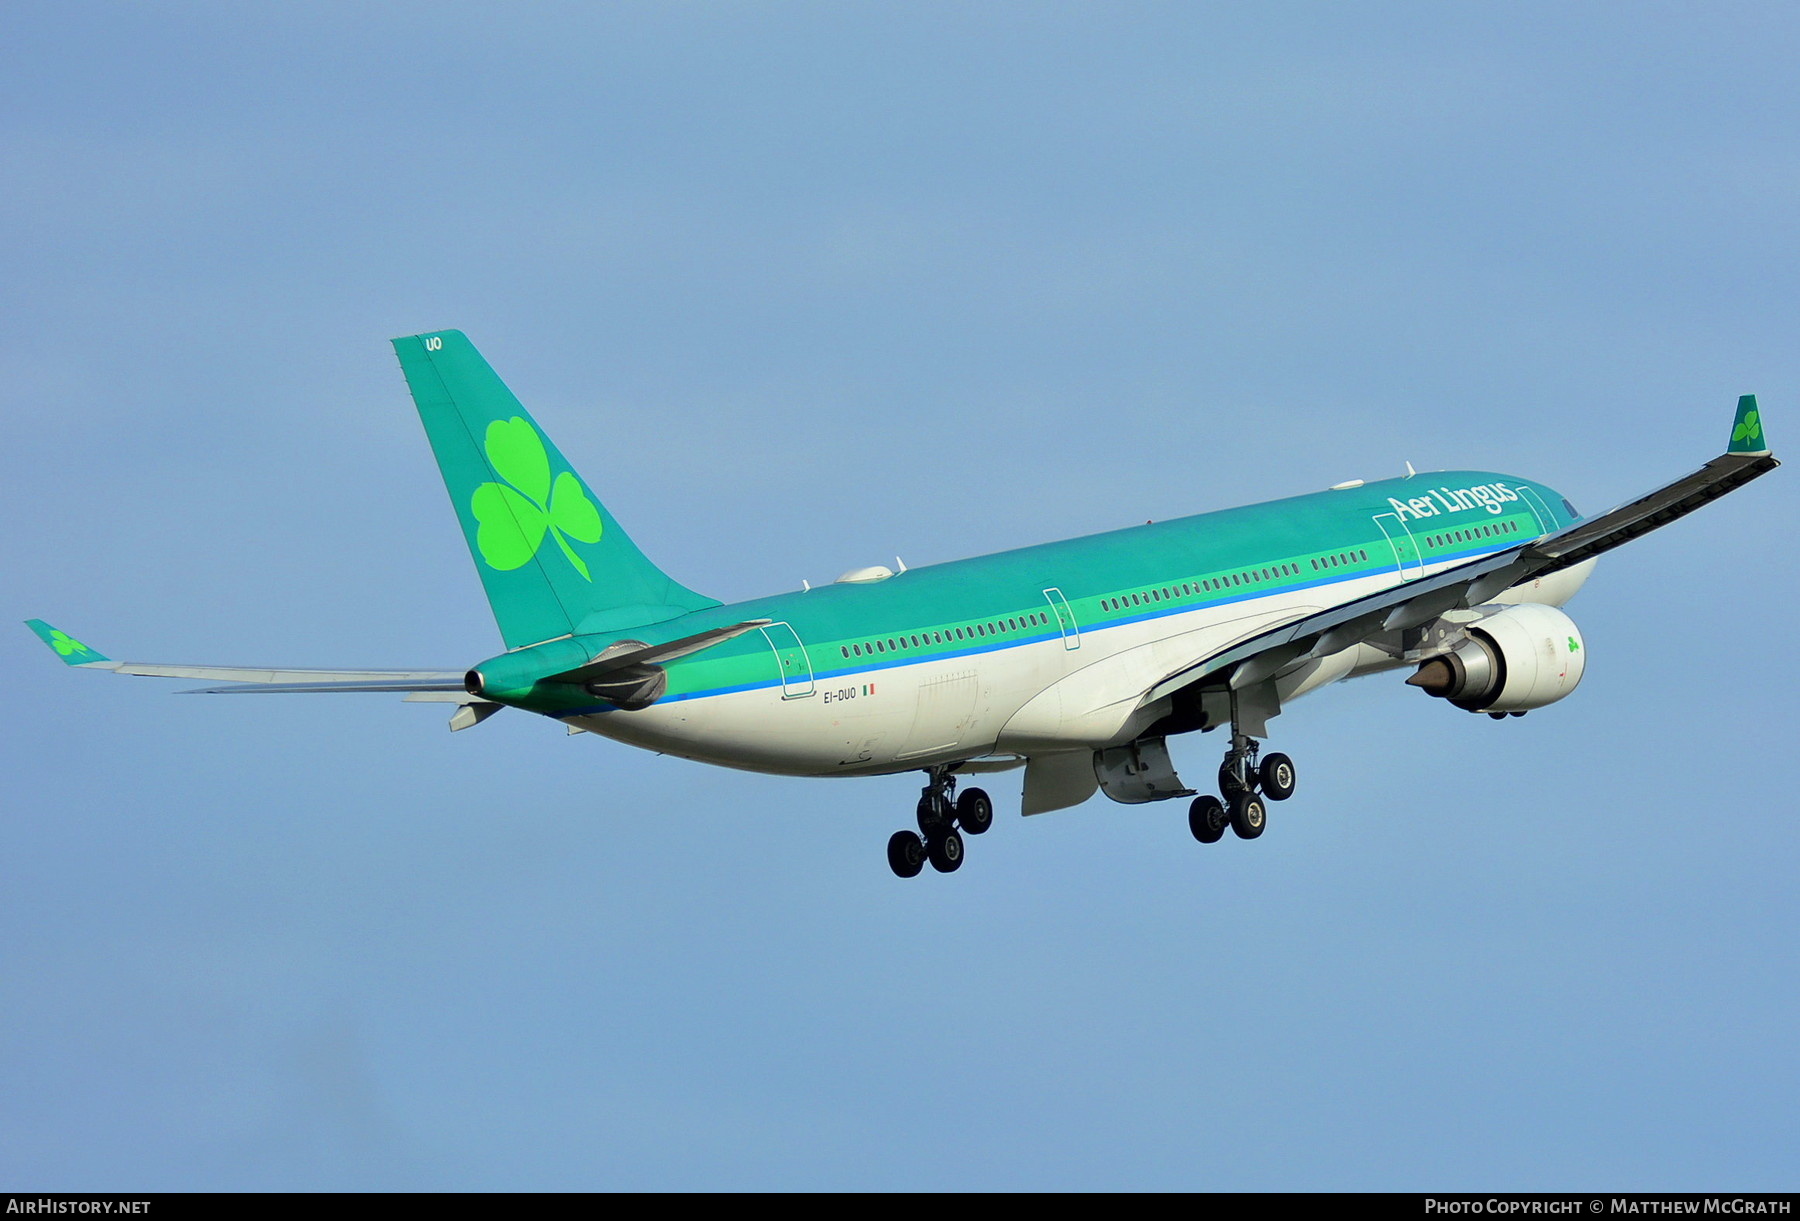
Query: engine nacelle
<point x="1523" y="657"/>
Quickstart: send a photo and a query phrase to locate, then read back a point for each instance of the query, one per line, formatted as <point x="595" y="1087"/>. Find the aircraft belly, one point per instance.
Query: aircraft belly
<point x="1102" y="703"/>
<point x="760" y="731"/>
<point x="894" y="719"/>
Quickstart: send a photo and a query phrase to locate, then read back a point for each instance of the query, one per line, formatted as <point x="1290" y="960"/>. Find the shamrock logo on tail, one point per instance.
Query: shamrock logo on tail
<point x="515" y="515"/>
<point x="1750" y="429"/>
<point x="64" y="643"/>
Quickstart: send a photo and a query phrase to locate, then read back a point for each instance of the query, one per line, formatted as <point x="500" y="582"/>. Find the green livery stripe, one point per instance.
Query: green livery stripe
<point x="994" y="602"/>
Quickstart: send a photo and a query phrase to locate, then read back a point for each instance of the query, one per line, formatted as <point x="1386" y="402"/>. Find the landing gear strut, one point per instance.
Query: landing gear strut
<point x="1247" y="787"/>
<point x="944" y="818"/>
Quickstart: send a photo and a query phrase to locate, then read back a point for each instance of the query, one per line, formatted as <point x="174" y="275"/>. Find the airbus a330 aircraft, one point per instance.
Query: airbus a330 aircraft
<point x="1073" y="660"/>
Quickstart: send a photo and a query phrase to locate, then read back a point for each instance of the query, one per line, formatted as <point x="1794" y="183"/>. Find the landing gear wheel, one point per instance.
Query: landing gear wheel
<point x="1277" y="775"/>
<point x="974" y="811"/>
<point x="1207" y="819"/>
<point x="1228" y="780"/>
<point x="1248" y="815"/>
<point x="934" y="815"/>
<point x="946" y="853"/>
<point x="906" y="854"/>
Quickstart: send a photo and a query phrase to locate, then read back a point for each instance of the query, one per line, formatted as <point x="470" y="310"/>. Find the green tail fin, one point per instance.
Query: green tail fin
<point x="1747" y="430"/>
<point x="552" y="559"/>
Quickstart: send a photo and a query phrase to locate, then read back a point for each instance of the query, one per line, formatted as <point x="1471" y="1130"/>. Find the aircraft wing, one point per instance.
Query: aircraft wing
<point x="1414" y="603"/>
<point x="250" y="678"/>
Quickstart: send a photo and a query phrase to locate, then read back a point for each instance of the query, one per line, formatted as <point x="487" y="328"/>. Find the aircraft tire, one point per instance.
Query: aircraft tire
<point x="945" y="852"/>
<point x="906" y="854"/>
<point x="1277" y="776"/>
<point x="1207" y="819"/>
<point x="1228" y="782"/>
<point x="974" y="811"/>
<point x="1248" y="815"/>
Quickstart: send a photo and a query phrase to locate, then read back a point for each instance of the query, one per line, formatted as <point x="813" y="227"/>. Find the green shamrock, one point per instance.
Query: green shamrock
<point x="64" y="643"/>
<point x="1750" y="429"/>
<point x="1573" y="647"/>
<point x="515" y="515"/>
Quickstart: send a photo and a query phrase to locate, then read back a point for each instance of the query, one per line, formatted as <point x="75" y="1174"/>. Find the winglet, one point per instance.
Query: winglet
<point x="71" y="650"/>
<point x="1747" y="430"/>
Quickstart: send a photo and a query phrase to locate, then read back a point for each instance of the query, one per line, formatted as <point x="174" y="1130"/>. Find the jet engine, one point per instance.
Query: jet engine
<point x="1515" y="659"/>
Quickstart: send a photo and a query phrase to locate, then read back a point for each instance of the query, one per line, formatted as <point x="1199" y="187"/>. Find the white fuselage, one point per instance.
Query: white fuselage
<point x="1084" y="691"/>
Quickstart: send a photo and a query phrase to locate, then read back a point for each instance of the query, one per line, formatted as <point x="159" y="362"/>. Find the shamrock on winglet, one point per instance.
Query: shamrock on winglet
<point x="71" y="650"/>
<point x="1750" y="429"/>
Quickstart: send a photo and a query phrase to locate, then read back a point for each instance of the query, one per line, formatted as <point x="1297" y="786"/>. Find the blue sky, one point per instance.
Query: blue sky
<point x="800" y="288"/>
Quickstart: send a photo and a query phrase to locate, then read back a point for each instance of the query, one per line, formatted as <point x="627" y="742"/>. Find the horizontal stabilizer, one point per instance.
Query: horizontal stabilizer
<point x="627" y="653"/>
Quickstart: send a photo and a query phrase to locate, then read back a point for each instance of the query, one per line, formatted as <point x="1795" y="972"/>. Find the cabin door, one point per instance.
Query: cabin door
<point x="1406" y="549"/>
<point x="1546" y="521"/>
<point x="1065" y="618"/>
<point x="791" y="661"/>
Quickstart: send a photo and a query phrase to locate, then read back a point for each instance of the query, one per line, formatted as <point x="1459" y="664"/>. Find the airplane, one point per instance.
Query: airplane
<point x="1073" y="660"/>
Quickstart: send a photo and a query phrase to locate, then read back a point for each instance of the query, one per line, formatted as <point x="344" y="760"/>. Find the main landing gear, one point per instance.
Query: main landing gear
<point x="1247" y="787"/>
<point x="943" y="820"/>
